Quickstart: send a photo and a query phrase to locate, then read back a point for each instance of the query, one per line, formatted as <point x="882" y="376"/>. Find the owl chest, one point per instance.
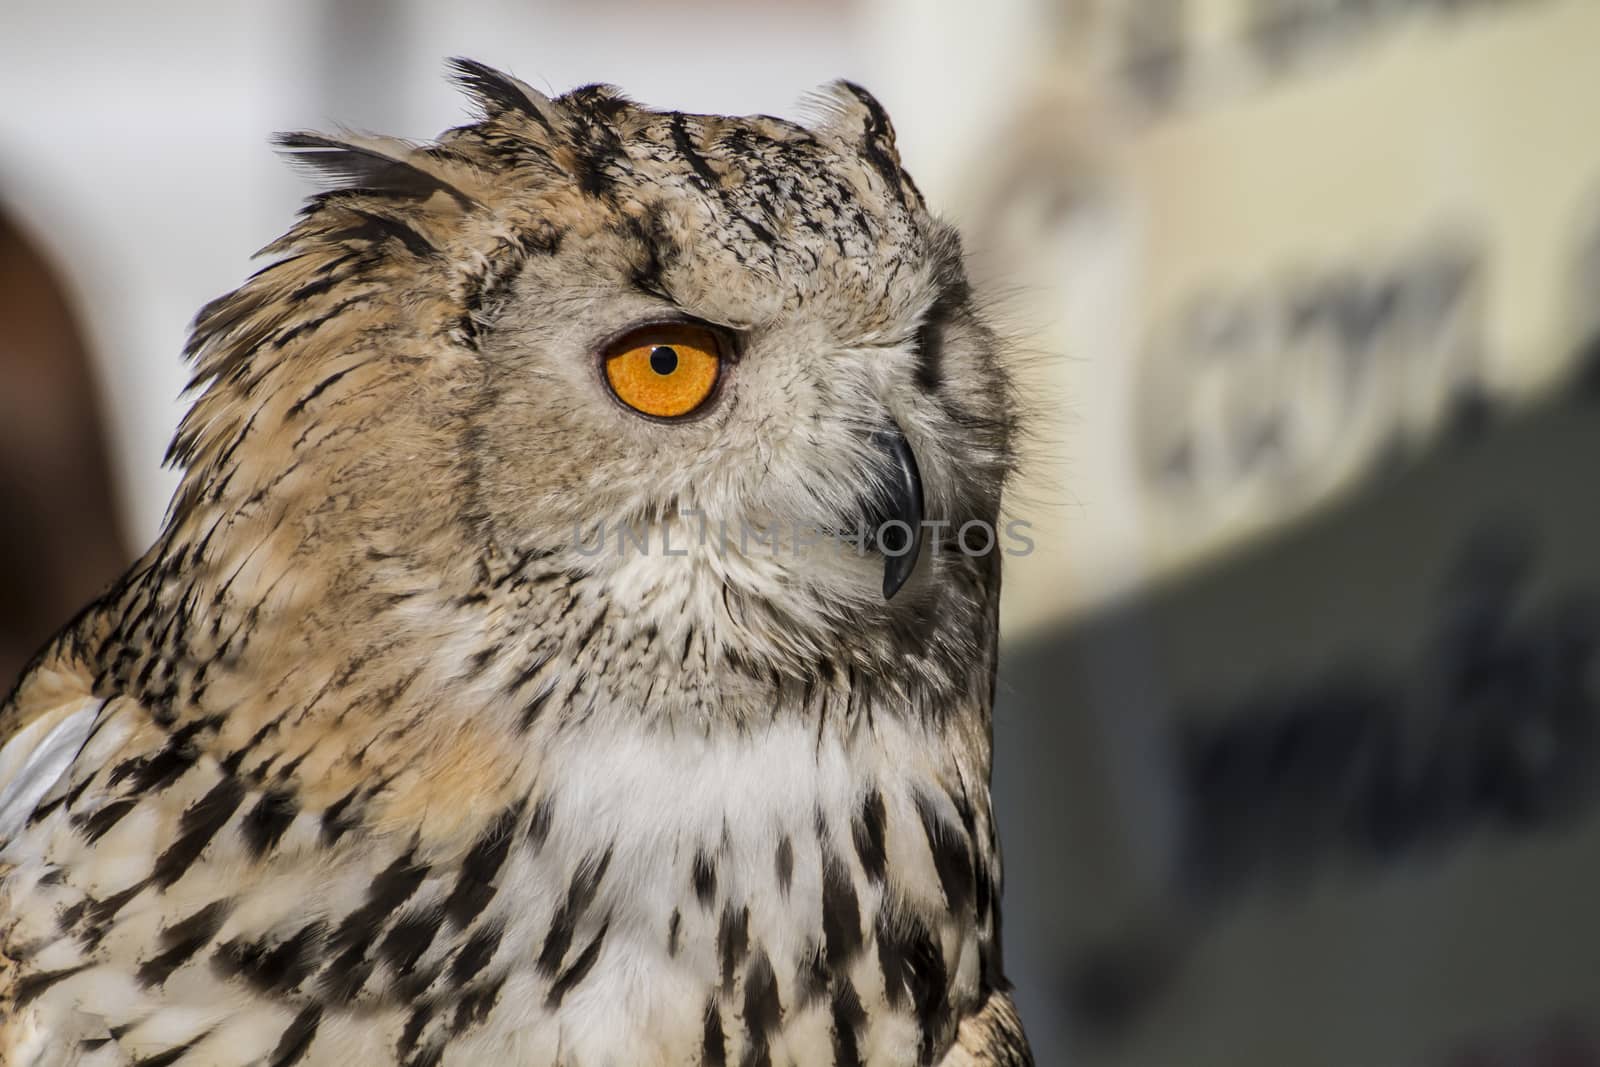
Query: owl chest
<point x="764" y="898"/>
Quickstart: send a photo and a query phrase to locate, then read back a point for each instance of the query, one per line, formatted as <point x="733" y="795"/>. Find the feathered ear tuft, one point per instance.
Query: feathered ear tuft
<point x="848" y="113"/>
<point x="497" y="92"/>
<point x="370" y="165"/>
<point x="598" y="101"/>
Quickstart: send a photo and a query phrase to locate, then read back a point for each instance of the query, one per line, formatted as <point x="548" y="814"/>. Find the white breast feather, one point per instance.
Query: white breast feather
<point x="37" y="757"/>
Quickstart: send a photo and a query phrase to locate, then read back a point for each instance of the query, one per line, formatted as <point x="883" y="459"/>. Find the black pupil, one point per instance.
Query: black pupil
<point x="663" y="359"/>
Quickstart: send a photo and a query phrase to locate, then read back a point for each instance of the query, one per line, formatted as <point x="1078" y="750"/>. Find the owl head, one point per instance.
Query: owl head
<point x="727" y="370"/>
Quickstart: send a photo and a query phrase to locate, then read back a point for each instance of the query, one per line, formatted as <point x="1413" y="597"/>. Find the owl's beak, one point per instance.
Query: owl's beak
<point x="900" y="501"/>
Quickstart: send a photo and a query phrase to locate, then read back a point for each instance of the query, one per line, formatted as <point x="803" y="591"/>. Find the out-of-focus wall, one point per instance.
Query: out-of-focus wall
<point x="1296" y="735"/>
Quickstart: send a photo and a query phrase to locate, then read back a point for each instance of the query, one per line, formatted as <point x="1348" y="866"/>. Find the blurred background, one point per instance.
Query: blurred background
<point x="1299" y="726"/>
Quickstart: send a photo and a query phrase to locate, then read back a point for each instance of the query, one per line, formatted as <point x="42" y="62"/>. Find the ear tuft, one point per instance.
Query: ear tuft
<point x="600" y="102"/>
<point x="367" y="164"/>
<point x="497" y="93"/>
<point x="848" y="113"/>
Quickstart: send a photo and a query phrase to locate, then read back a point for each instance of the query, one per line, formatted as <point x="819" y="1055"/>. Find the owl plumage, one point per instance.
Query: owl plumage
<point x="374" y="758"/>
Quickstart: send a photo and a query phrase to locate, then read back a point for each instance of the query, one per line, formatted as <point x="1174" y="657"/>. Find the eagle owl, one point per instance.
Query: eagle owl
<point x="502" y="687"/>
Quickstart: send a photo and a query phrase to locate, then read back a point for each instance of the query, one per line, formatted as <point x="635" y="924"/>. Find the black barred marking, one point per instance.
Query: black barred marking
<point x="580" y="894"/>
<point x="686" y="149"/>
<point x="712" y="1042"/>
<point x="297" y="1037"/>
<point x="266" y="822"/>
<point x="236" y="759"/>
<point x="31" y="986"/>
<point x="527" y="674"/>
<point x="169" y="1057"/>
<point x="841" y="914"/>
<point x="267" y="967"/>
<point x="182" y="940"/>
<point x="985" y="891"/>
<point x="952" y="855"/>
<point x="531" y="710"/>
<point x="312" y="325"/>
<point x="409" y="938"/>
<point x="704" y="877"/>
<point x="673" y="928"/>
<point x="336" y="818"/>
<point x="476" y="954"/>
<point x="411" y="1033"/>
<point x="198" y="825"/>
<point x="866" y="830"/>
<point x="762" y="1010"/>
<point x="43" y="809"/>
<point x="758" y="231"/>
<point x="286" y="771"/>
<point x="77" y="791"/>
<point x="785" y="861"/>
<point x="376" y="229"/>
<point x="928" y="345"/>
<point x="328" y="278"/>
<point x="848" y="1021"/>
<point x="154" y="773"/>
<point x="475" y="886"/>
<point x="344" y="976"/>
<point x="875" y="138"/>
<point x="475" y="1007"/>
<point x="733" y="941"/>
<point x="592" y="629"/>
<point x="811" y="983"/>
<point x="350" y="166"/>
<point x="99" y="914"/>
<point x="891" y="958"/>
<point x="390" y="889"/>
<point x="991" y="964"/>
<point x="317" y="390"/>
<point x="928" y="350"/>
<point x="539" y="826"/>
<point x="579" y="969"/>
<point x="660" y="251"/>
<point x="431" y="1056"/>
<point x="484" y="656"/>
<point x="913" y="967"/>
<point x="598" y="146"/>
<point x="98" y="824"/>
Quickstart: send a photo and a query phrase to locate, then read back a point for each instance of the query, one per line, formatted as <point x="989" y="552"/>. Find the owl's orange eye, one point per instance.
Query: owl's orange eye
<point x="666" y="370"/>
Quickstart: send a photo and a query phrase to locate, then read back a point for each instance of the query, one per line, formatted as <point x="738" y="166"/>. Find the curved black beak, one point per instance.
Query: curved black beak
<point x="900" y="502"/>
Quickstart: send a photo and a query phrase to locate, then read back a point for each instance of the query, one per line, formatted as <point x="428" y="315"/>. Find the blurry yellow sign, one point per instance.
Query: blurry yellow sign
<point x="1318" y="233"/>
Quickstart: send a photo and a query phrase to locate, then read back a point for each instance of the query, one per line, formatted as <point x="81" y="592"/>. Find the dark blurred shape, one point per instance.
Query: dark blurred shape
<point x="1306" y="789"/>
<point x="61" y="540"/>
<point x="1561" y="1042"/>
